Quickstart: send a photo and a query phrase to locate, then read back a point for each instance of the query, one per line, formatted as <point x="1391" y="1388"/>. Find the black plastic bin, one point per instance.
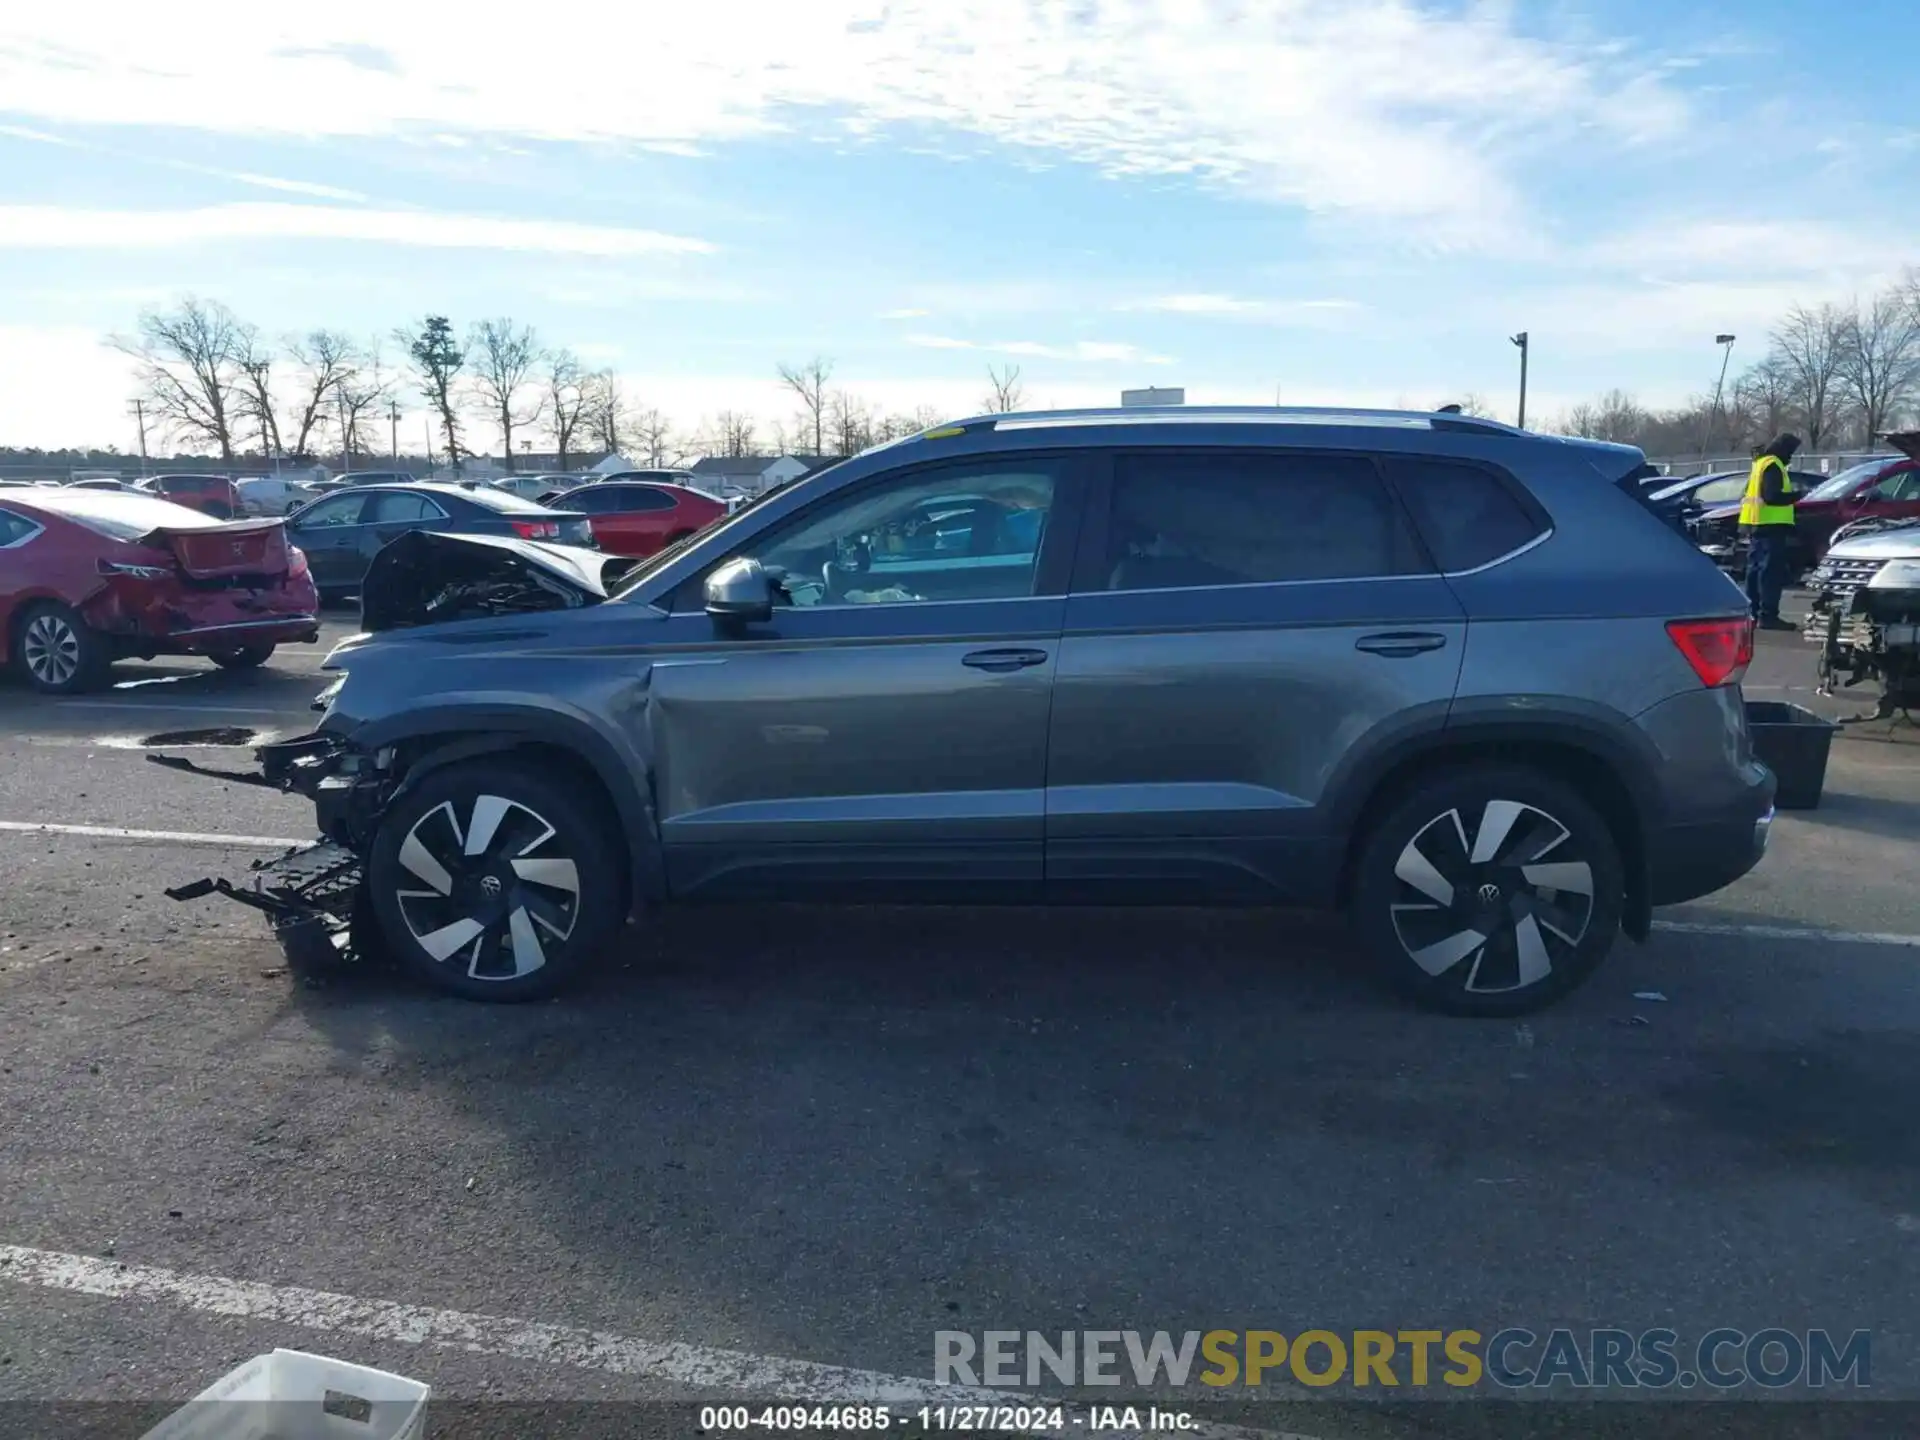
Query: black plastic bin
<point x="1792" y="742"/>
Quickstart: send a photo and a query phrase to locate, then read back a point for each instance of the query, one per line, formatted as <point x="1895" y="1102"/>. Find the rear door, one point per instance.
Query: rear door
<point x="329" y="531"/>
<point x="391" y="514"/>
<point x="1242" y="624"/>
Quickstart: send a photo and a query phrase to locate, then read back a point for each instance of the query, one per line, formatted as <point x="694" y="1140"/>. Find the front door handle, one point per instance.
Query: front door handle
<point x="1399" y="644"/>
<point x="1002" y="661"/>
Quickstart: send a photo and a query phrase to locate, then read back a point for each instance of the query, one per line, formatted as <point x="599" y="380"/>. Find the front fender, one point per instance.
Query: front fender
<point x="465" y="728"/>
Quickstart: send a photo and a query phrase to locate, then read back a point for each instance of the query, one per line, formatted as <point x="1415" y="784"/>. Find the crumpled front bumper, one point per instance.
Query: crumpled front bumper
<point x="313" y="892"/>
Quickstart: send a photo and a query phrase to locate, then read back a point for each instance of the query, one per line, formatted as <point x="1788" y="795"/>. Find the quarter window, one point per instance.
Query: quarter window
<point x="1466" y="515"/>
<point x="14" y="528"/>
<point x="956" y="534"/>
<point x="1183" y="520"/>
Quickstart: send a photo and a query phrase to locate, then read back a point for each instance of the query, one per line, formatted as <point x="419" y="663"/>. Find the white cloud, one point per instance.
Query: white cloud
<point x="1374" y="106"/>
<point x="36" y="227"/>
<point x="902" y="315"/>
<point x="1090" y="351"/>
<point x="290" y="187"/>
<point x="1278" y="312"/>
<point x="1746" y="247"/>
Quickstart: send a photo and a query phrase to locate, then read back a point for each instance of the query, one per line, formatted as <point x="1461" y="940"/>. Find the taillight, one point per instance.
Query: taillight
<point x="135" y="572"/>
<point x="536" y="529"/>
<point x="296" y="560"/>
<point x="1718" y="650"/>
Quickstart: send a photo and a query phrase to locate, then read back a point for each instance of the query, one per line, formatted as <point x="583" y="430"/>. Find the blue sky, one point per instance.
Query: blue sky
<point x="1347" y="201"/>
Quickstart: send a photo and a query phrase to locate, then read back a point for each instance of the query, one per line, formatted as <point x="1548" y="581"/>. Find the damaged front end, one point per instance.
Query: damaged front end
<point x="312" y="894"/>
<point x="1865" y="617"/>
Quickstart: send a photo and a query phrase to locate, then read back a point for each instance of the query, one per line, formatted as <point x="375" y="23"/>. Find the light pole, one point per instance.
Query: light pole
<point x="140" y="418"/>
<point x="1725" y="342"/>
<point x="393" y="427"/>
<point x="1521" y="341"/>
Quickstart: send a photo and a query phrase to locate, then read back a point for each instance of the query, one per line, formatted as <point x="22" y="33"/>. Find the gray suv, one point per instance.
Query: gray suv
<point x="1452" y="677"/>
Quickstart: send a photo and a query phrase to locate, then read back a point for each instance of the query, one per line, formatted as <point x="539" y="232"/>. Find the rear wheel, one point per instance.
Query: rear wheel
<point x="1491" y="891"/>
<point x="247" y="657"/>
<point x="496" y="881"/>
<point x="58" y="652"/>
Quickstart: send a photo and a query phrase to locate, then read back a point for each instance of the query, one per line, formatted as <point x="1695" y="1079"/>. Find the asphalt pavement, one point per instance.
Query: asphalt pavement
<point x="791" y="1144"/>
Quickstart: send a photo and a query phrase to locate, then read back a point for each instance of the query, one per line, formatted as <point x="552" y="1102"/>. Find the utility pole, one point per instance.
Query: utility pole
<point x="1726" y="354"/>
<point x="1521" y="341"/>
<point x="140" y="417"/>
<point x="346" y="437"/>
<point x="393" y="426"/>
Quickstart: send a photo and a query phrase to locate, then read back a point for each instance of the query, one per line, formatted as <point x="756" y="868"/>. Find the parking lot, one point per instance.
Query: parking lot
<point x="762" y="1144"/>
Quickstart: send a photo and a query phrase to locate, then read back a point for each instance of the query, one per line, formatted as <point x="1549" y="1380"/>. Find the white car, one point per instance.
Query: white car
<point x="272" y="495"/>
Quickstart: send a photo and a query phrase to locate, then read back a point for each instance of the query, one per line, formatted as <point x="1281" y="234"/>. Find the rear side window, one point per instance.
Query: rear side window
<point x="397" y="509"/>
<point x="642" y="497"/>
<point x="1467" y="515"/>
<point x="1182" y="519"/>
<point x="14" y="528"/>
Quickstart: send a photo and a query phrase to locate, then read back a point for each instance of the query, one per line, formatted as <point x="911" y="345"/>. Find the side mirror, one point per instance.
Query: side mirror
<point x="739" y="593"/>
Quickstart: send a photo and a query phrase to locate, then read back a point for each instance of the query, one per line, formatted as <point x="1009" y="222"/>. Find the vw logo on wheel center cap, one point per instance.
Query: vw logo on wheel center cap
<point x="1489" y="893"/>
<point x="490" y="886"/>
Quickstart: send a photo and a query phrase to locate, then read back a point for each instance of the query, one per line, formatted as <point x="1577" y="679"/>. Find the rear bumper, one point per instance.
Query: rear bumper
<point x="1685" y="862"/>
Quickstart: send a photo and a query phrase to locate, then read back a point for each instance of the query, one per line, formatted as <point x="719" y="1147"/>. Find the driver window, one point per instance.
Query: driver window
<point x="953" y="534"/>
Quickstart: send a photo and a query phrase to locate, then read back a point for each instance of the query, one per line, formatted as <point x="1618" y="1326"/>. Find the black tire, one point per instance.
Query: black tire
<point x="57" y="651"/>
<point x="529" y="936"/>
<point x="1537" y="942"/>
<point x="247" y="657"/>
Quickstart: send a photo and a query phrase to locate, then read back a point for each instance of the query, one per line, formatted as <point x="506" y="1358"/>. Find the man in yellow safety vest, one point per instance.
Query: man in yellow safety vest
<point x="1766" y="515"/>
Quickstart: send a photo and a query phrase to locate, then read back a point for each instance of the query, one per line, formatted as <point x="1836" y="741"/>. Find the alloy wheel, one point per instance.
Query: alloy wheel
<point x="497" y="887"/>
<point x="1510" y="897"/>
<point x="51" y="648"/>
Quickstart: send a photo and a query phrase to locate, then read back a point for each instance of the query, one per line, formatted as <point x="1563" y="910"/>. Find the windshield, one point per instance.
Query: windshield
<point x="505" y="501"/>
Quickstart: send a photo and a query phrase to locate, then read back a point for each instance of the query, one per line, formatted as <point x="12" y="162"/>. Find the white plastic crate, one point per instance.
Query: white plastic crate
<point x="290" y="1395"/>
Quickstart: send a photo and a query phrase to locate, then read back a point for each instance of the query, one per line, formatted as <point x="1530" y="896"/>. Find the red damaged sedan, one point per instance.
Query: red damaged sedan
<point x="88" y="577"/>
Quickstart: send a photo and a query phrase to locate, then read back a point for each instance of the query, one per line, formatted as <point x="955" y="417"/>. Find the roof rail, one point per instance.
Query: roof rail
<point x="1239" y="415"/>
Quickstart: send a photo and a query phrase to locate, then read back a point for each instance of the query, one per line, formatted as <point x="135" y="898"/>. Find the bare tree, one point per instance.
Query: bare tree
<point x="853" y="425"/>
<point x="1879" y="361"/>
<point x="653" y="438"/>
<point x="733" y="433"/>
<point x="506" y="357"/>
<point x="325" y="360"/>
<point x="1477" y="405"/>
<point x="253" y="397"/>
<point x="1809" y="344"/>
<point x="809" y="383"/>
<point x="566" y="402"/>
<point x="1007" y="394"/>
<point x="1764" y="395"/>
<point x="363" y="393"/>
<point x="604" y="411"/>
<point x="438" y="362"/>
<point x="188" y="366"/>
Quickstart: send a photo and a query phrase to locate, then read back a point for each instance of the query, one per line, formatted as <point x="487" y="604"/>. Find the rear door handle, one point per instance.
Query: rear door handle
<point x="1001" y="661"/>
<point x="1399" y="644"/>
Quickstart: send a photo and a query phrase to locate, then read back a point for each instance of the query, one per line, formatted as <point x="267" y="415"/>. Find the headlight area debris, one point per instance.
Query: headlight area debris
<point x="313" y="895"/>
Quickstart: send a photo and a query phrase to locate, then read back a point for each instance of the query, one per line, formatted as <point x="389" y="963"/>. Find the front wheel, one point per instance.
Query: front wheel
<point x="59" y="653"/>
<point x="497" y="881"/>
<point x="1491" y="891"/>
<point x="247" y="657"/>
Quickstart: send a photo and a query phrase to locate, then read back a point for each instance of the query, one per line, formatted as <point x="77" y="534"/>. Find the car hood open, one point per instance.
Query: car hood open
<point x="428" y="579"/>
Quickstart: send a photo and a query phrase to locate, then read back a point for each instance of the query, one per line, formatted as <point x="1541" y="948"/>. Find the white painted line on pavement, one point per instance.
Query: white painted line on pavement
<point x="694" y="1366"/>
<point x="171" y="837"/>
<point x="214" y="709"/>
<point x="1785" y="932"/>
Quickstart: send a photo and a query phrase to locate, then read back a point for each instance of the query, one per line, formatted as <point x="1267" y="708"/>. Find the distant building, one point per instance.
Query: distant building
<point x="756" y="474"/>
